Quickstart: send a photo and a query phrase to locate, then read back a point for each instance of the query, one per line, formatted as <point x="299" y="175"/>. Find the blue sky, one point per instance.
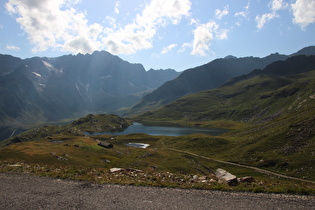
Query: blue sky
<point x="177" y="34"/>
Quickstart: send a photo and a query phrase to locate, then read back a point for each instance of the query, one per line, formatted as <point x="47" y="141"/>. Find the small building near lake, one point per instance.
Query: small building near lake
<point x="105" y="144"/>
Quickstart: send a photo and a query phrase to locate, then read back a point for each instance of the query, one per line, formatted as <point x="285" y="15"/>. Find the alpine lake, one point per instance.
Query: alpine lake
<point x="164" y="130"/>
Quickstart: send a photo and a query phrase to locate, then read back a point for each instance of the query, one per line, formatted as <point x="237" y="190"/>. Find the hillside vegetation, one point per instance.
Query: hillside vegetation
<point x="259" y="96"/>
<point x="271" y="112"/>
<point x="165" y="163"/>
<point x="207" y="76"/>
<point x="276" y="103"/>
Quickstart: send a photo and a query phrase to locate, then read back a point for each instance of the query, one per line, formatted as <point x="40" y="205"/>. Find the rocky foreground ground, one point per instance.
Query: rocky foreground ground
<point x="23" y="191"/>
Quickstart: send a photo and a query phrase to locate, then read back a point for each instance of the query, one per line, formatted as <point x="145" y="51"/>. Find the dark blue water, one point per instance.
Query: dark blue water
<point x="165" y="130"/>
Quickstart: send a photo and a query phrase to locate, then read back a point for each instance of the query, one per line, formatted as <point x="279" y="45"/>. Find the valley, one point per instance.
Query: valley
<point x="268" y="112"/>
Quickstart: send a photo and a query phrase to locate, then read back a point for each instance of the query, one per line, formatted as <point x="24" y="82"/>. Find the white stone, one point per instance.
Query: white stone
<point x="112" y="170"/>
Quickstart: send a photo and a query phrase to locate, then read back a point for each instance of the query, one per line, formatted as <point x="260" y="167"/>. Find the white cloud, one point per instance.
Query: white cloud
<point x="263" y="19"/>
<point x="116" y="7"/>
<point x="184" y="46"/>
<point x="12" y="47"/>
<point x="204" y="34"/>
<point x="274" y="6"/>
<point x="194" y="21"/>
<point x="139" y="34"/>
<point x="111" y="22"/>
<point x="220" y="14"/>
<point x="55" y="24"/>
<point x="243" y="14"/>
<point x="168" y="48"/>
<point x="222" y="34"/>
<point x="303" y="12"/>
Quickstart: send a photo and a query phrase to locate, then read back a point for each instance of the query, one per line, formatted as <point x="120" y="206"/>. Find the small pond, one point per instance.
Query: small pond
<point x="140" y="145"/>
<point x="164" y="130"/>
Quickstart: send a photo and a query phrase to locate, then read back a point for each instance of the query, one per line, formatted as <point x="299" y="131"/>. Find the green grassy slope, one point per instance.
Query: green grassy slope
<point x="257" y="98"/>
<point x="279" y="114"/>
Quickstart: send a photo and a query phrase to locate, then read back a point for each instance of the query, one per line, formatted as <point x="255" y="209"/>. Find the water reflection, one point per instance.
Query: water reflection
<point x="165" y="130"/>
<point x="140" y="145"/>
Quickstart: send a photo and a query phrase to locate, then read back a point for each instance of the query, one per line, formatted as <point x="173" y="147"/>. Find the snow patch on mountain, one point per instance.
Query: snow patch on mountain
<point x="51" y="67"/>
<point x="47" y="64"/>
<point x="36" y="74"/>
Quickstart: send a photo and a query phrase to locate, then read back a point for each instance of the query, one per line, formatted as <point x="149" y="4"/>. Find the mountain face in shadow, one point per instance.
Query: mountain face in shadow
<point x="38" y="90"/>
<point x="208" y="76"/>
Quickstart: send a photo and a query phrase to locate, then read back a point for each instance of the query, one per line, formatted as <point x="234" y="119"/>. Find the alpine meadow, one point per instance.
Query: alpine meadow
<point x="183" y="94"/>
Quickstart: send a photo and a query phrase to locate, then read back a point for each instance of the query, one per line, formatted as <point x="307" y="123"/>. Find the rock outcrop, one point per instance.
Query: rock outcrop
<point x="226" y="177"/>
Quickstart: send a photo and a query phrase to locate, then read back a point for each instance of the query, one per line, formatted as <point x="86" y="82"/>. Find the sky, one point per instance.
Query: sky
<point x="159" y="34"/>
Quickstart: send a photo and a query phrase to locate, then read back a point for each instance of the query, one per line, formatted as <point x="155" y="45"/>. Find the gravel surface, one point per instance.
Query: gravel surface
<point x="23" y="191"/>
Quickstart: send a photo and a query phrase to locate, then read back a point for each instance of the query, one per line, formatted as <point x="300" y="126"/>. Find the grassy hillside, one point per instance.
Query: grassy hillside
<point x="79" y="157"/>
<point x="254" y="98"/>
<point x="277" y="114"/>
<point x="258" y="99"/>
<point x="210" y="75"/>
<point x="273" y="120"/>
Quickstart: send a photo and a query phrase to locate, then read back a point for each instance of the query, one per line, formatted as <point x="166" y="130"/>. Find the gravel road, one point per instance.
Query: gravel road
<point x="23" y="191"/>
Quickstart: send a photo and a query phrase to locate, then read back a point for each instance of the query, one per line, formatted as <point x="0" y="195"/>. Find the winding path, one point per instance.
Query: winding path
<point x="244" y="166"/>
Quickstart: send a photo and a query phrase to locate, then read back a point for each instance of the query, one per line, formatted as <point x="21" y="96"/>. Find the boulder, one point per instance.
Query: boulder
<point x="226" y="177"/>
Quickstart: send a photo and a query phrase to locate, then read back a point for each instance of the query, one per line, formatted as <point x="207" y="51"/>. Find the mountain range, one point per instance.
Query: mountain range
<point x="208" y="76"/>
<point x="268" y="111"/>
<point x="40" y="90"/>
<point x="256" y="97"/>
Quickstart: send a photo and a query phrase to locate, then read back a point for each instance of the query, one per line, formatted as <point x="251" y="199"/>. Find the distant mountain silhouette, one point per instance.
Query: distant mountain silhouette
<point x="38" y="90"/>
<point x="208" y="76"/>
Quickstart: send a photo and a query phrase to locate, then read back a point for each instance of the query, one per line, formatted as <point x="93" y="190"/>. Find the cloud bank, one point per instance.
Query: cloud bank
<point x="139" y="34"/>
<point x="57" y="25"/>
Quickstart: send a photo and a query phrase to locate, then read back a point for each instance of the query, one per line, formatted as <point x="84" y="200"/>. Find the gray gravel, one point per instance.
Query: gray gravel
<point x="22" y="191"/>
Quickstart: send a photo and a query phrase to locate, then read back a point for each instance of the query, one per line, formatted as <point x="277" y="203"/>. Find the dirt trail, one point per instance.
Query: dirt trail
<point x="244" y="166"/>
